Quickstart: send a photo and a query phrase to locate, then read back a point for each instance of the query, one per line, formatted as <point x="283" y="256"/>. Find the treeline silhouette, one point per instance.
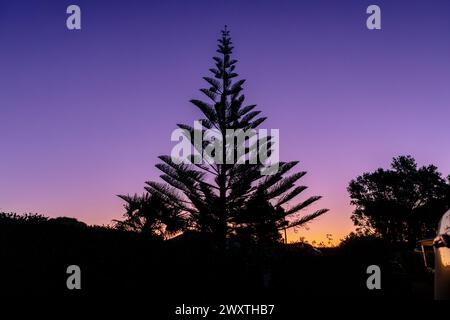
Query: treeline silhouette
<point x="145" y="250"/>
<point x="35" y="252"/>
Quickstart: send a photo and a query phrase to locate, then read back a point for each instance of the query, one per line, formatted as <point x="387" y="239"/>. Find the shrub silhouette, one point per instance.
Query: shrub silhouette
<point x="151" y="216"/>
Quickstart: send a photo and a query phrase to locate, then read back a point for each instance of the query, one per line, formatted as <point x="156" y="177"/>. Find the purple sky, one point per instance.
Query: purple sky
<point x="84" y="114"/>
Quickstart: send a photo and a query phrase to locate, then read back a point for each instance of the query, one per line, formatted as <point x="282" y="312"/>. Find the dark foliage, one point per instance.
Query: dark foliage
<point x="35" y="252"/>
<point x="401" y="204"/>
<point x="151" y="216"/>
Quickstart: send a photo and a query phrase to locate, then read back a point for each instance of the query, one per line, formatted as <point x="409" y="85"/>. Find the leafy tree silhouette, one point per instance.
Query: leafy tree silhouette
<point x="401" y="204"/>
<point x="228" y="199"/>
<point x="148" y="214"/>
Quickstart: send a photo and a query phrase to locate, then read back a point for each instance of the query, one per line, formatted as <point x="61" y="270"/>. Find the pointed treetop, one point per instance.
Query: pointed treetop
<point x="225" y="32"/>
<point x="225" y="42"/>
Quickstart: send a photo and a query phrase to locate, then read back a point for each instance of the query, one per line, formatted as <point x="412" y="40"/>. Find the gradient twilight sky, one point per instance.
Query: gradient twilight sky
<point x="84" y="114"/>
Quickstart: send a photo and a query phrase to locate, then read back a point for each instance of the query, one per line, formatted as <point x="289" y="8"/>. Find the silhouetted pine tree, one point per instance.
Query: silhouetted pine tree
<point x="229" y="199"/>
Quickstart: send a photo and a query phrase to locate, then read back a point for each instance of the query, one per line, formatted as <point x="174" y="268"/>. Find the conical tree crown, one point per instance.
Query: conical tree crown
<point x="220" y="184"/>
